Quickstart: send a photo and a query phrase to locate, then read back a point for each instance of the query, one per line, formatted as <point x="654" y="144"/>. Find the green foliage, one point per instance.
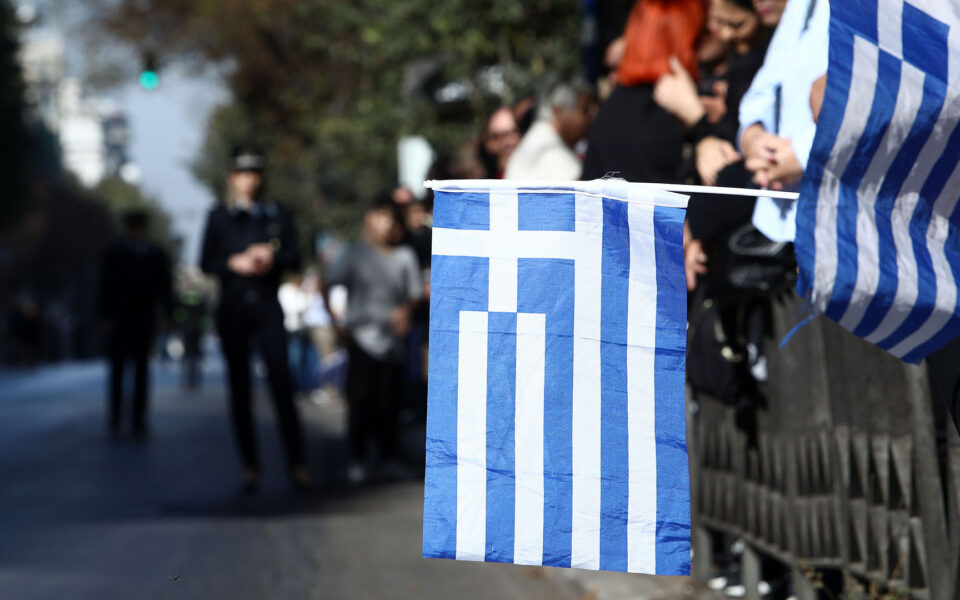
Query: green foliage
<point x="119" y="197"/>
<point x="327" y="87"/>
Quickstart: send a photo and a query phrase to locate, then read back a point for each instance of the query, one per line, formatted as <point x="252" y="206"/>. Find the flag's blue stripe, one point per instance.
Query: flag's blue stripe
<point x="546" y="212"/>
<point x="884" y="101"/>
<point x="501" y="408"/>
<point x="547" y="286"/>
<point x="461" y="210"/>
<point x="859" y="17"/>
<point x="925" y="42"/>
<point x="614" y="455"/>
<point x="934" y="91"/>
<point x="673" y="482"/>
<point x="831" y="117"/>
<point x="925" y="46"/>
<point x="952" y="328"/>
<point x="932" y="188"/>
<point x="458" y="283"/>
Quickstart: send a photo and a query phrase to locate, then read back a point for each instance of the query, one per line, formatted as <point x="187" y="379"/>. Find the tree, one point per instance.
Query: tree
<point x="328" y="87"/>
<point x="14" y="140"/>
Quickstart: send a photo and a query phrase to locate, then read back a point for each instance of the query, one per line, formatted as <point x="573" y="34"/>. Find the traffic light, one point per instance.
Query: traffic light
<point x="149" y="73"/>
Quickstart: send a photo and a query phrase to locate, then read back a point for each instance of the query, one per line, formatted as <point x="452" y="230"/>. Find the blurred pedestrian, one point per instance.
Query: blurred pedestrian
<point x="247" y="244"/>
<point x="382" y="279"/>
<point x="633" y="135"/>
<point x="135" y="286"/>
<point x="500" y="138"/>
<point x="546" y="152"/>
<point x="294" y="301"/>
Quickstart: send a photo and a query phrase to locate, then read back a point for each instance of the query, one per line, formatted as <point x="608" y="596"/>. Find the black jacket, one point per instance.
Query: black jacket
<point x="230" y="231"/>
<point x="135" y="282"/>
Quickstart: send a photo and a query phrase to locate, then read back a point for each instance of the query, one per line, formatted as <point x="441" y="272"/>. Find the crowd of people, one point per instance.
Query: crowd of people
<point x="696" y="93"/>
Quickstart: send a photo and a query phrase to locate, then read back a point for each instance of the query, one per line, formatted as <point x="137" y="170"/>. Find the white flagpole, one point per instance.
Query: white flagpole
<point x="667" y="187"/>
<point x="724" y="191"/>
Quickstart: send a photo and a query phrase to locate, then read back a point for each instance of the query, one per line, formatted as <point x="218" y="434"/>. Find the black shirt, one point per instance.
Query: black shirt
<point x="633" y="136"/>
<point x="231" y="231"/>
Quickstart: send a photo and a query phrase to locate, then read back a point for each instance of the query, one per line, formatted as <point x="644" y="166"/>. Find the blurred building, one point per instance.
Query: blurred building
<point x="92" y="132"/>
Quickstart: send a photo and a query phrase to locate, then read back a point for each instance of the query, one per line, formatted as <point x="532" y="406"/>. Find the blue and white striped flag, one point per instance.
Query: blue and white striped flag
<point x="555" y="426"/>
<point x="877" y="240"/>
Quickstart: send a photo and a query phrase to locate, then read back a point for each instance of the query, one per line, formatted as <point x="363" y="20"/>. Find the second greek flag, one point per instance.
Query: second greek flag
<point x="556" y="428"/>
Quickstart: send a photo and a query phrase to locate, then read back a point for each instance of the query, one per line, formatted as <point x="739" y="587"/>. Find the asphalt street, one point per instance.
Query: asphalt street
<point x="83" y="515"/>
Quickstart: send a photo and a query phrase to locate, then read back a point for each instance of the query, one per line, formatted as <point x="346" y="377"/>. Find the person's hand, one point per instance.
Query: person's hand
<point x="241" y="263"/>
<point x="400" y="320"/>
<point x="262" y="256"/>
<point x="716" y="105"/>
<point x="781" y="167"/>
<point x="748" y="141"/>
<point x="695" y="262"/>
<point x="713" y="154"/>
<point x="676" y="92"/>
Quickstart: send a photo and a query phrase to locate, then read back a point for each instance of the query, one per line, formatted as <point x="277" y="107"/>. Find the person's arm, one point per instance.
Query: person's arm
<point x="287" y="256"/>
<point x="401" y="316"/>
<point x="758" y="105"/>
<point x="213" y="259"/>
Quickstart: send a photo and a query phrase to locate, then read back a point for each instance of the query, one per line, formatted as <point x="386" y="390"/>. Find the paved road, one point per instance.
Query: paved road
<point x="85" y="516"/>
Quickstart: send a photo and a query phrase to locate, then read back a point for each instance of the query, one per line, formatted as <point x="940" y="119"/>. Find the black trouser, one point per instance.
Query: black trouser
<point x="374" y="388"/>
<point x="239" y="326"/>
<point x="126" y="345"/>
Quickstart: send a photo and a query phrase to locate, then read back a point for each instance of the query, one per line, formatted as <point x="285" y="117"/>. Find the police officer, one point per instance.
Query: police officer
<point x="247" y="244"/>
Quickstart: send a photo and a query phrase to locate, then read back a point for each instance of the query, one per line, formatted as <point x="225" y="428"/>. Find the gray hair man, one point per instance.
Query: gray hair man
<point x="546" y="152"/>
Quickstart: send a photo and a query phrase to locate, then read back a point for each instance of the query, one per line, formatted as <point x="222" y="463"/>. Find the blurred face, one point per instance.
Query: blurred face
<point x="769" y="11"/>
<point x="245" y="184"/>
<point x="733" y="24"/>
<point x="502" y="135"/>
<point x="573" y="123"/>
<point x="379" y="227"/>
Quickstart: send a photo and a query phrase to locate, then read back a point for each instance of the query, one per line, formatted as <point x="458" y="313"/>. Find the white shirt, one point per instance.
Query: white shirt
<point x="796" y="57"/>
<point x="542" y="155"/>
<point x="293" y="301"/>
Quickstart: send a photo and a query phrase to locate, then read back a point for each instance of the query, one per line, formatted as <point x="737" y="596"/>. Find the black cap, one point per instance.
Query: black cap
<point x="247" y="158"/>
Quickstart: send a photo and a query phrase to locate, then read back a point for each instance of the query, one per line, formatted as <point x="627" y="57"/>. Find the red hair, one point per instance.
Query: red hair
<point x="656" y="30"/>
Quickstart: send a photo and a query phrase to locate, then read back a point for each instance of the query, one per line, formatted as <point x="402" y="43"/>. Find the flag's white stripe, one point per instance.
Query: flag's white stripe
<point x="868" y="269"/>
<point x="946" y="286"/>
<point x="472" y="437"/>
<point x="862" y="87"/>
<point x="890" y="26"/>
<point x="524" y="244"/>
<point x="531" y="357"/>
<point x="504" y="217"/>
<point x="585" y="542"/>
<point x="908" y="276"/>
<point x="641" y="403"/>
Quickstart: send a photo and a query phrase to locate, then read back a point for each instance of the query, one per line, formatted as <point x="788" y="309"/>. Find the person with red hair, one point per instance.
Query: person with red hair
<point x="632" y="134"/>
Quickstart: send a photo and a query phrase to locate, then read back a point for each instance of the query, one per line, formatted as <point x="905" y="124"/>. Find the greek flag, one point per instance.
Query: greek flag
<point x="877" y="224"/>
<point x="555" y="430"/>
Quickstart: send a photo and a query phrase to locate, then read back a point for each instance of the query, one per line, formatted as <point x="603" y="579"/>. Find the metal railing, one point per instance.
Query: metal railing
<point x="851" y="472"/>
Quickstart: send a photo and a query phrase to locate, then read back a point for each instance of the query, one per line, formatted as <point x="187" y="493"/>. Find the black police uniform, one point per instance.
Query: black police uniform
<point x="249" y="312"/>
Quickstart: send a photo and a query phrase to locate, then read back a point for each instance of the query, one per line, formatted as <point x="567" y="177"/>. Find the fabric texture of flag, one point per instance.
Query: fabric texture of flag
<point x="556" y="423"/>
<point x="877" y="243"/>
